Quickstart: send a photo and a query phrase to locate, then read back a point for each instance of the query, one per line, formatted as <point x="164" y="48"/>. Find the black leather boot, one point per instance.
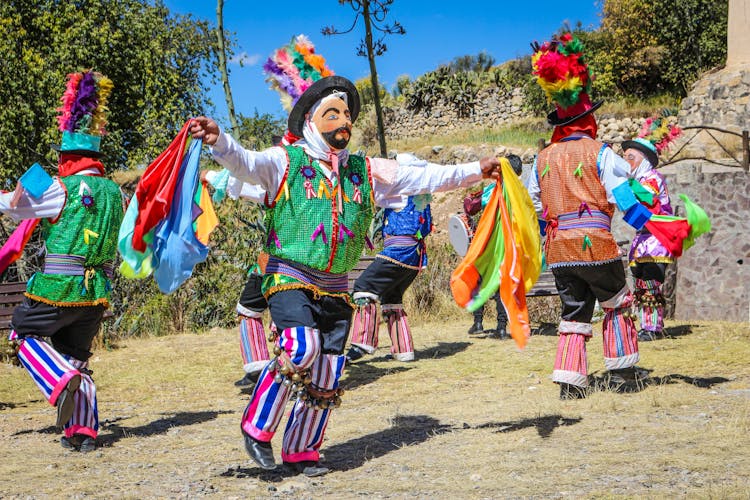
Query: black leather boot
<point x="570" y="391"/>
<point x="260" y="451"/>
<point x="308" y="467"/>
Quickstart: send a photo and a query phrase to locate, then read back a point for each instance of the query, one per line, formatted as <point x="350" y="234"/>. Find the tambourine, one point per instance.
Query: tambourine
<point x="460" y="233"/>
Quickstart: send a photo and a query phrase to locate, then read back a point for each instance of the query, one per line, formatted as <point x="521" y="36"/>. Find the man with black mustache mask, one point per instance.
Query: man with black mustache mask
<point x="320" y="202"/>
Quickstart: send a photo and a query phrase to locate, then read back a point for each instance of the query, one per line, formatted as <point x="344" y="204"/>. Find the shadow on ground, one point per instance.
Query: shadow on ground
<point x="359" y="373"/>
<point x="544" y="425"/>
<point x="604" y="382"/>
<point x="405" y="430"/>
<point x="363" y="372"/>
<point x="160" y="426"/>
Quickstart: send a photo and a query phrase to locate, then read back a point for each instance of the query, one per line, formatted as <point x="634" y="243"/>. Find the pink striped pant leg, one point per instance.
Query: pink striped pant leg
<point x="263" y="413"/>
<point x="402" y="344"/>
<point x="364" y="332"/>
<point x="619" y="333"/>
<point x="571" y="364"/>
<point x="651" y="308"/>
<point x="306" y="427"/>
<point x="49" y="369"/>
<point x="253" y="344"/>
<point x="85" y="419"/>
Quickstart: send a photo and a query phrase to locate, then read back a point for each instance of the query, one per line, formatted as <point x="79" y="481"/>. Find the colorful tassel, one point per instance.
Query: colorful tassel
<point x="320" y="231"/>
<point x="578" y="172"/>
<point x="273" y="237"/>
<point x="586" y="243"/>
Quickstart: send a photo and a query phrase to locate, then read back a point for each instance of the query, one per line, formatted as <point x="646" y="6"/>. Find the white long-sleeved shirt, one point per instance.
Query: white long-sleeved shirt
<point x="390" y="180"/>
<point x="613" y="171"/>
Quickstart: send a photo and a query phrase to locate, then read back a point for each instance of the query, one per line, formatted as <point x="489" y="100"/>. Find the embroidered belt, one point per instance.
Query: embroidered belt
<point x="330" y="282"/>
<point x="400" y="241"/>
<point x="407" y="241"/>
<point x="591" y="219"/>
<point x="74" y="265"/>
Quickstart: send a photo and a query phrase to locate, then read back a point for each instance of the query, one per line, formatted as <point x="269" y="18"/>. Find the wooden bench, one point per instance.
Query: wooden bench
<point x="359" y="268"/>
<point x="11" y="295"/>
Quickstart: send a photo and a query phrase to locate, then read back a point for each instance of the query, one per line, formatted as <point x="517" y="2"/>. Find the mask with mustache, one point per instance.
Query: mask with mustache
<point x="330" y="137"/>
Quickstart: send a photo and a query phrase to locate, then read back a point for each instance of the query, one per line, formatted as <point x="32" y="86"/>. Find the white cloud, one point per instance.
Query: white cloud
<point x="245" y="59"/>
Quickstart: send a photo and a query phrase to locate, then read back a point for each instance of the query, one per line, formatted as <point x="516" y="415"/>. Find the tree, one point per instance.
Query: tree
<point x="221" y="51"/>
<point x="156" y="60"/>
<point x="479" y="63"/>
<point x="373" y="12"/>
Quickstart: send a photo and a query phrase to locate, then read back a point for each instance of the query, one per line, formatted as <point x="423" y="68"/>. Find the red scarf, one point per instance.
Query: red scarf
<point x="71" y="164"/>
<point x="585" y="124"/>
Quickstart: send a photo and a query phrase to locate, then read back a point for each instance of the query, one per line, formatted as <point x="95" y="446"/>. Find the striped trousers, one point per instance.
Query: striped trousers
<point x="51" y="371"/>
<point x="253" y="345"/>
<point x="620" y="339"/>
<point x="651" y="312"/>
<point x="365" y="330"/>
<point x="304" y="432"/>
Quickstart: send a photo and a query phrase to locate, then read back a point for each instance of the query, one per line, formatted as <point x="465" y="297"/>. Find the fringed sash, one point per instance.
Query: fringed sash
<point x="73" y="265"/>
<point x="328" y="282"/>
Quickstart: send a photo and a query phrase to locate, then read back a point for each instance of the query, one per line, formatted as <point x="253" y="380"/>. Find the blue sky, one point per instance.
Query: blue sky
<point x="436" y="32"/>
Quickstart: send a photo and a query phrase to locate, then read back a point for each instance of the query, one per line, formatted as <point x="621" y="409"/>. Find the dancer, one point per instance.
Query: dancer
<point x="320" y="204"/>
<point x="64" y="304"/>
<point x="574" y="185"/>
<point x="386" y="280"/>
<point x="648" y="256"/>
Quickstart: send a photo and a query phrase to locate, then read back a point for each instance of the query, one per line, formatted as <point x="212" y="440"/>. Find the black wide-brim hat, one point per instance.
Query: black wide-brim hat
<point x="648" y="153"/>
<point x="323" y="87"/>
<point x="556" y="120"/>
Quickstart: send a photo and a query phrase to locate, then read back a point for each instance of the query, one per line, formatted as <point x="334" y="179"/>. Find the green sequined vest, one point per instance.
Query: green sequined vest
<point x="87" y="227"/>
<point x="303" y="223"/>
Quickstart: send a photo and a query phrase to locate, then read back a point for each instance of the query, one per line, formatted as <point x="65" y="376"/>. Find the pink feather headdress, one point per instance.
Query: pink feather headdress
<point x="292" y="68"/>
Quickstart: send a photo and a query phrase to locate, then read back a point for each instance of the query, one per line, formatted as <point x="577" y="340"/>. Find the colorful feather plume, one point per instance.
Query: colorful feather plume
<point x="561" y="70"/>
<point x="292" y="68"/>
<point x="84" y="103"/>
<point x="660" y="131"/>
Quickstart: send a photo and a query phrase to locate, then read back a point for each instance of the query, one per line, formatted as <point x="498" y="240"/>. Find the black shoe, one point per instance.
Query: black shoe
<point x="66" y="401"/>
<point x="308" y="468"/>
<point x="570" y="391"/>
<point x="476" y="328"/>
<point x="354" y="354"/>
<point x="78" y="442"/>
<point x="629" y="374"/>
<point x="68" y="443"/>
<point x="261" y="452"/>
<point x="249" y="380"/>
<point x="499" y="333"/>
<point x="88" y="444"/>
<point x="646" y="336"/>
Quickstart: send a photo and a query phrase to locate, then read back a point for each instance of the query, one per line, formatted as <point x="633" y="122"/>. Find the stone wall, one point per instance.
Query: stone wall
<point x="713" y="277"/>
<point x="719" y="99"/>
<point x="493" y="108"/>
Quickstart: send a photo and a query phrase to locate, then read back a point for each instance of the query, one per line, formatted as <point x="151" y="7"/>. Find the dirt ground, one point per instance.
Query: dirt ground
<point x="471" y="418"/>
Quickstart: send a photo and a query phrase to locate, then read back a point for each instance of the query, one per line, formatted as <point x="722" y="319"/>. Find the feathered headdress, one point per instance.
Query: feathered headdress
<point x="292" y="68"/>
<point x="562" y="72"/>
<point x="656" y="135"/>
<point x="83" y="114"/>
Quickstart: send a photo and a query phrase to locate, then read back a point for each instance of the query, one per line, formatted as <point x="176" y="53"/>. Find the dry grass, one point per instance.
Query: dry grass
<point x="472" y="418"/>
